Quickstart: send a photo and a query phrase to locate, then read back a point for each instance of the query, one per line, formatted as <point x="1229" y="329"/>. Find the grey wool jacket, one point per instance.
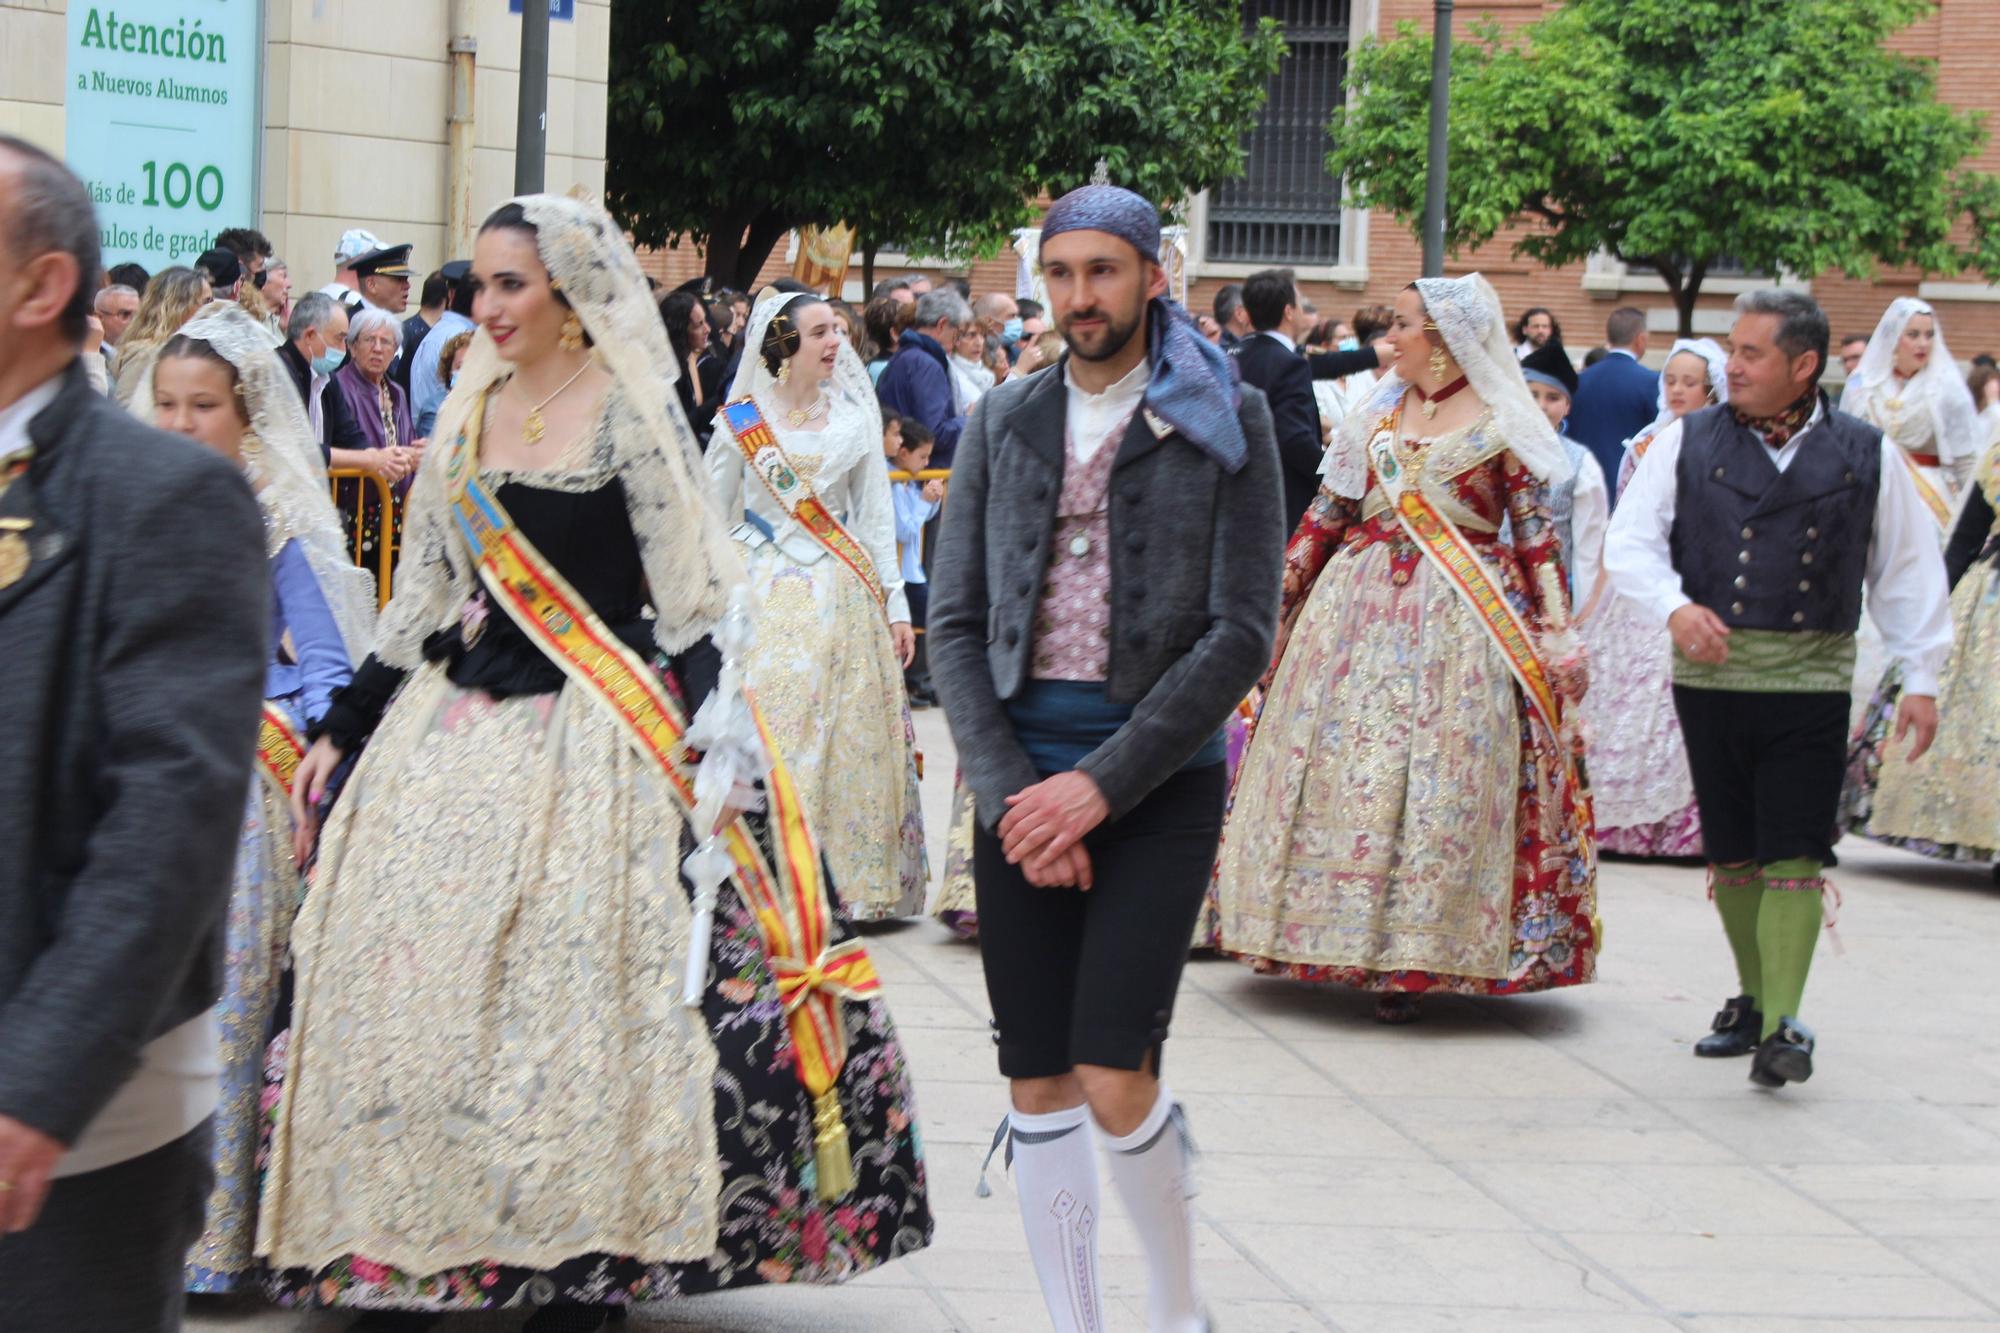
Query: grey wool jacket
<point x="131" y="668"/>
<point x="1197" y="557"/>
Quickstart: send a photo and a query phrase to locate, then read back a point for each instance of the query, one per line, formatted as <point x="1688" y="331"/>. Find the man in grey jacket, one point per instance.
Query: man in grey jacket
<point x="1105" y="593"/>
<point x="133" y="605"/>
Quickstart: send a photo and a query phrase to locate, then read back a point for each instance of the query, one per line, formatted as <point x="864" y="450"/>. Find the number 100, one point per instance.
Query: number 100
<point x="181" y="184"/>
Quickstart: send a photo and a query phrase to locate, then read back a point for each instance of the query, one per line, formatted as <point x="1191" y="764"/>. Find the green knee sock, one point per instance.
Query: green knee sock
<point x="1738" y="891"/>
<point x="1788" y="923"/>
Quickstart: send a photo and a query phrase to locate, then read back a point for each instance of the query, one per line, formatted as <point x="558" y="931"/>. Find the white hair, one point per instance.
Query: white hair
<point x="115" y="289"/>
<point x="367" y="319"/>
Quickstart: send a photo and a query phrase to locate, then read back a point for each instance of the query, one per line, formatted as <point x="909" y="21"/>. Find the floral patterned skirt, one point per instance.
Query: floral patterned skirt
<point x="262" y="902"/>
<point x="831" y="690"/>
<point x="1641" y="789"/>
<point x="491" y="1093"/>
<point x="1401" y="822"/>
<point x="1946" y="805"/>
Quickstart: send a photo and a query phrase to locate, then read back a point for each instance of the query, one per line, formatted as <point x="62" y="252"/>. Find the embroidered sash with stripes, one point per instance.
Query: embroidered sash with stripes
<point x="767" y="461"/>
<point x="1939" y="506"/>
<point x="279" y="748"/>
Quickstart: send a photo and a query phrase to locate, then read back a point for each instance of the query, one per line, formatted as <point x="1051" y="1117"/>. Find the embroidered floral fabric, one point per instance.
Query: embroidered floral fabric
<point x="1400" y="820"/>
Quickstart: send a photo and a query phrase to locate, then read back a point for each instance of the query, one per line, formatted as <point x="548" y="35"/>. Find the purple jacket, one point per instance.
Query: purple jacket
<point x="364" y="401"/>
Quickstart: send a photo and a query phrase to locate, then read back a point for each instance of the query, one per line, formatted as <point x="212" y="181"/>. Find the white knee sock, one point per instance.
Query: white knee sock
<point x="1055" y="1174"/>
<point x="1154" y="1174"/>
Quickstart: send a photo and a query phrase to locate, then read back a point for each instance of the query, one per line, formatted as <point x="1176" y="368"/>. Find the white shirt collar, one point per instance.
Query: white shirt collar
<point x="14" y="417"/>
<point x="1093" y="416"/>
<point x="1285" y="339"/>
<point x="1623" y="351"/>
<point x="1132" y="384"/>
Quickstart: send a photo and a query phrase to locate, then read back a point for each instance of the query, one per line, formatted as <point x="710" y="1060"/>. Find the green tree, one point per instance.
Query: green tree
<point x="932" y="125"/>
<point x="1674" y="133"/>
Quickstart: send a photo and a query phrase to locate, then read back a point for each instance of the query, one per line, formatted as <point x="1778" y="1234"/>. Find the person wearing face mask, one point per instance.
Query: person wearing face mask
<point x="218" y="382"/>
<point x="1641" y="790"/>
<point x="1751" y="530"/>
<point x="834" y="636"/>
<point x="584" y="1089"/>
<point x="316" y="347"/>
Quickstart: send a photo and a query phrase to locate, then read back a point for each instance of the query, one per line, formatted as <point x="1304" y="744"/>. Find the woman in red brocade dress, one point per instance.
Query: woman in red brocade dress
<point x="1407" y="817"/>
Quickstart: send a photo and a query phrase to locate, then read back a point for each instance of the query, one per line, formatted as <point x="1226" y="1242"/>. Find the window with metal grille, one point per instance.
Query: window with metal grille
<point x="1285" y="208"/>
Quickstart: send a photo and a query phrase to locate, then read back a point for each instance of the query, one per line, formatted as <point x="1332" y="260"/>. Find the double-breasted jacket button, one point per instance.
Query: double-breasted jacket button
<point x="1812" y="534"/>
<point x="1742" y="582"/>
<point x="1718" y="474"/>
<point x="1798" y="617"/>
<point x="1736" y="608"/>
<point x="1805" y="585"/>
<point x="1806" y="559"/>
<point x="1742" y="557"/>
<point x="1748" y="533"/>
<point x="1136" y="542"/>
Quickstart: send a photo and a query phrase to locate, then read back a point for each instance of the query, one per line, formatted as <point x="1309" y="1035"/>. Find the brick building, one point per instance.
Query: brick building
<point x="1285" y="210"/>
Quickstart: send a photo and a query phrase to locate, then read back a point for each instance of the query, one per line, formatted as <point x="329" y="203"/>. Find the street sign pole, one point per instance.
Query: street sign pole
<point x="531" y="122"/>
<point x="1440" y="152"/>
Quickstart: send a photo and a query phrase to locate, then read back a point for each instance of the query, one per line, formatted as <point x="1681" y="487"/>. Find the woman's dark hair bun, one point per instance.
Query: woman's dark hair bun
<point x="781" y="335"/>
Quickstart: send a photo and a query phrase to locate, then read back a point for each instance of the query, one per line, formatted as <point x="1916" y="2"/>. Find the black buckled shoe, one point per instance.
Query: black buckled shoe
<point x="1784" y="1057"/>
<point x="1735" y="1030"/>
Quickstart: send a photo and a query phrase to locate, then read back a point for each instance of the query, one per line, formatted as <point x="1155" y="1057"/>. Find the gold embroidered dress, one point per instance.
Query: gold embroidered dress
<point x="493" y="1092"/>
<point x="823" y="668"/>
<point x="1401" y="821"/>
<point x="1947" y="803"/>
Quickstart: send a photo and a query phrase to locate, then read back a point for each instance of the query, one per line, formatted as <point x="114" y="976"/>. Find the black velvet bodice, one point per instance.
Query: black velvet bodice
<point x="588" y="537"/>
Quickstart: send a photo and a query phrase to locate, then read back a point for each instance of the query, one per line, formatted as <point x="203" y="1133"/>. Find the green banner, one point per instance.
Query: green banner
<point x="162" y="121"/>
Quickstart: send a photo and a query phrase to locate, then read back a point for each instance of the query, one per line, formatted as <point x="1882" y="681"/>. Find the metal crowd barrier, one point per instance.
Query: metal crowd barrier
<point x="386" y="556"/>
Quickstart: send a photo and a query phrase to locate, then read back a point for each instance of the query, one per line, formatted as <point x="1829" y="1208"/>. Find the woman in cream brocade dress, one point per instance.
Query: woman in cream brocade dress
<point x="1947" y="803"/>
<point x="491" y="1092"/>
<point x="1402" y="821"/>
<point x="823" y="667"/>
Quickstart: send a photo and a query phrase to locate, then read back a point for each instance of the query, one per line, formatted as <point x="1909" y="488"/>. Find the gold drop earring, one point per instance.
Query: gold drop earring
<point x="785" y="371"/>
<point x="1440" y="362"/>
<point x="572" y="334"/>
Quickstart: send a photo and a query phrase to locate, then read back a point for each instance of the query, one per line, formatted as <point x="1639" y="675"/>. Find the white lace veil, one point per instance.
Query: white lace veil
<point x="755" y="380"/>
<point x="285" y="468"/>
<point x="1717" y="361"/>
<point x="586" y="253"/>
<point x="1938" y="387"/>
<point x="1467" y="313"/>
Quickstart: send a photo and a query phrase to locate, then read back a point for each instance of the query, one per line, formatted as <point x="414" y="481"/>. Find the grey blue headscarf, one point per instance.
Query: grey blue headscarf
<point x="1194" y="385"/>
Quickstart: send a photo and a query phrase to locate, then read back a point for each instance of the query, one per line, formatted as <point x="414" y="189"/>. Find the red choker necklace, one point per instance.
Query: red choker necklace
<point x="1431" y="400"/>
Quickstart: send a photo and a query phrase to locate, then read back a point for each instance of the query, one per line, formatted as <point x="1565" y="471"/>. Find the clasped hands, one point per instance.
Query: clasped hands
<point x="1043" y="830"/>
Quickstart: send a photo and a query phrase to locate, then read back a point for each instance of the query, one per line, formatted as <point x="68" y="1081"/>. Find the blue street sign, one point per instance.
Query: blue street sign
<point x="561" y="11"/>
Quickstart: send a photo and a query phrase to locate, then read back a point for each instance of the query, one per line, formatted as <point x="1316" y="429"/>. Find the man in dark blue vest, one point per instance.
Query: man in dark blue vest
<point x="1752" y="528"/>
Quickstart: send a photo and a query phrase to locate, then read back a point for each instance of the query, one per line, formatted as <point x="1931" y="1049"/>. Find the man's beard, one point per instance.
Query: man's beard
<point x="1113" y="340"/>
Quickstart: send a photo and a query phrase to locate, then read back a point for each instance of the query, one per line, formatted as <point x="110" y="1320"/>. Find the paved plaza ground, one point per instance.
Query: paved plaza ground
<point x="1554" y="1164"/>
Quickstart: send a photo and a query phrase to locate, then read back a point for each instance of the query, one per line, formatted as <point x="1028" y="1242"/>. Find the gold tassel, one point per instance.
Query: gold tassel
<point x="833" y="1163"/>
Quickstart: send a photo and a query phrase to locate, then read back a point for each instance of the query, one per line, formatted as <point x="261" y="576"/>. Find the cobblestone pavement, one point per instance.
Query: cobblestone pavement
<point x="1554" y="1163"/>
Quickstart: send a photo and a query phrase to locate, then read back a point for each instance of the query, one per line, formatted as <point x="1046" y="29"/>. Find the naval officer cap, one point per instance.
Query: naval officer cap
<point x="391" y="261"/>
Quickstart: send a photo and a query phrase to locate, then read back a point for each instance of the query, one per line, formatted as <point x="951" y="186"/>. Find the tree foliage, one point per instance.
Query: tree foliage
<point x="1674" y="133"/>
<point x="930" y="125"/>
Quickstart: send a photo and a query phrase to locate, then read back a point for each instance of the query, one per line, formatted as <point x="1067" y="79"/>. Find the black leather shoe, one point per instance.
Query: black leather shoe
<point x="1784" y="1057"/>
<point x="1735" y="1030"/>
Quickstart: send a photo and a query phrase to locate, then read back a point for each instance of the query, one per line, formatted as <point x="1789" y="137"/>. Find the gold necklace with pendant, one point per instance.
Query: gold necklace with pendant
<point x="533" y="427"/>
<point x="812" y="411"/>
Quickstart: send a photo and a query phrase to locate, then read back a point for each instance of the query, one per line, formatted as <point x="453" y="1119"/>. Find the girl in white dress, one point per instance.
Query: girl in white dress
<point x="817" y="531"/>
